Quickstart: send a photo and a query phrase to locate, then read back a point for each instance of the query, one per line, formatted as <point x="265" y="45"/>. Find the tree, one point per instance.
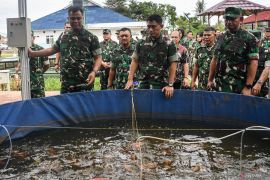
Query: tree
<point x="200" y="7"/>
<point x="190" y="23"/>
<point x="141" y="10"/>
<point x="119" y="6"/>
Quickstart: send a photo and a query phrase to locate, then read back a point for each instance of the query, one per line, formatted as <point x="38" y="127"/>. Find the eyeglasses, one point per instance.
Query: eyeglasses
<point x="174" y="37"/>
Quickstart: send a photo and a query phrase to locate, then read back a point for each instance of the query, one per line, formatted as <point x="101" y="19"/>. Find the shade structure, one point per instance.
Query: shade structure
<point x="219" y="9"/>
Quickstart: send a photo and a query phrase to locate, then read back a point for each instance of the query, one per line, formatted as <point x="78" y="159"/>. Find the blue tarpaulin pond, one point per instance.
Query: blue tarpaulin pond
<point x="199" y="109"/>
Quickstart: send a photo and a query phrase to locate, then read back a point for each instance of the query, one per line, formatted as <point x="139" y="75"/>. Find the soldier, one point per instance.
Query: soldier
<point x="235" y="56"/>
<point x="156" y="58"/>
<point x="107" y="46"/>
<point x="261" y="88"/>
<point x="67" y="27"/>
<point x="121" y="59"/>
<point x="38" y="66"/>
<point x="203" y="57"/>
<point x="181" y="79"/>
<point x="80" y="55"/>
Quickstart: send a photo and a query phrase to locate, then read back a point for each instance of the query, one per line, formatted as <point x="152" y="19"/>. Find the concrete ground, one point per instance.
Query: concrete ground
<point x="12" y="96"/>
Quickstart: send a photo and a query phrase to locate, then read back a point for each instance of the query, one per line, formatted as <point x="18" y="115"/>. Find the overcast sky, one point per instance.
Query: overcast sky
<point x="39" y="8"/>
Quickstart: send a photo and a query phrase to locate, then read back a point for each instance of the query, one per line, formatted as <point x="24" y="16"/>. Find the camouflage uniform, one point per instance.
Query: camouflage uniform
<point x="36" y="73"/>
<point x="233" y="52"/>
<point x="203" y="57"/>
<point x="77" y="51"/>
<point x="264" y="56"/>
<point x="154" y="57"/>
<point x="107" y="48"/>
<point x="121" y="59"/>
<point x="183" y="57"/>
<point x="191" y="45"/>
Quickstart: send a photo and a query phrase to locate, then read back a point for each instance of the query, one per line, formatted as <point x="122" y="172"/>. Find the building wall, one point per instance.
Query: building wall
<point x="41" y="36"/>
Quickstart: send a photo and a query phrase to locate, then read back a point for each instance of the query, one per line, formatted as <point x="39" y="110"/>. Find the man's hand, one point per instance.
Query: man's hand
<point x="246" y="91"/>
<point x="57" y="67"/>
<point x="193" y="85"/>
<point x="106" y="65"/>
<point x="210" y="85"/>
<point x="186" y="82"/>
<point x="129" y="84"/>
<point x="91" y="78"/>
<point x="256" y="89"/>
<point x="168" y="91"/>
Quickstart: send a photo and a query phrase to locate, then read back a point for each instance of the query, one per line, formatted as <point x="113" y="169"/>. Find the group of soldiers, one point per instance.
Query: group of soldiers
<point x="227" y="63"/>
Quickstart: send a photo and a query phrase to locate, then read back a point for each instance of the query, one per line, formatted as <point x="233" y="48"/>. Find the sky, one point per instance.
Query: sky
<point x="39" y="8"/>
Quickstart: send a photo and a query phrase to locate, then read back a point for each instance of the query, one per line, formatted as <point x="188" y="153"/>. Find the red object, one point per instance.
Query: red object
<point x="261" y="16"/>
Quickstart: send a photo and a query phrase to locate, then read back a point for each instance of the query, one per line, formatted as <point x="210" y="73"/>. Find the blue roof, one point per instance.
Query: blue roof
<point x="93" y="14"/>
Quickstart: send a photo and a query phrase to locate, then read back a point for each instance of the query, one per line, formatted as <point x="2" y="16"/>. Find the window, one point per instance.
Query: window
<point x="49" y="39"/>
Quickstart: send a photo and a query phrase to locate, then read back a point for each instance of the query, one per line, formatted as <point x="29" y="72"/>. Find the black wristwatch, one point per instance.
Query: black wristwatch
<point x="249" y="86"/>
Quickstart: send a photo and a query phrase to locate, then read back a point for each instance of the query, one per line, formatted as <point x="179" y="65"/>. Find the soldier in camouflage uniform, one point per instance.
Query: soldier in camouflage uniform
<point x="261" y="87"/>
<point x="235" y="57"/>
<point x="38" y="65"/>
<point x="80" y="55"/>
<point x="156" y="59"/>
<point x="203" y="57"/>
<point x="121" y="59"/>
<point x="181" y="79"/>
<point x="107" y="46"/>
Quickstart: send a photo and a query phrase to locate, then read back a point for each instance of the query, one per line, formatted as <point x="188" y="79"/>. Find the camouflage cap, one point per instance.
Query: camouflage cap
<point x="233" y="12"/>
<point x="267" y="29"/>
<point x="106" y="31"/>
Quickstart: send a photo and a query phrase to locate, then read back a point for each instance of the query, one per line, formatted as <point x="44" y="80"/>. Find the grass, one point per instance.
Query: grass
<point x="52" y="83"/>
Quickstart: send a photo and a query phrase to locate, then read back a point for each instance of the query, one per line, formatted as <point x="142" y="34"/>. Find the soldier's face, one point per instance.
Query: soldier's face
<point x="209" y="37"/>
<point x="232" y="23"/>
<point x="125" y="38"/>
<point x="267" y="35"/>
<point x="154" y="28"/>
<point x="107" y="36"/>
<point x="67" y="26"/>
<point x="175" y="37"/>
<point x="76" y="20"/>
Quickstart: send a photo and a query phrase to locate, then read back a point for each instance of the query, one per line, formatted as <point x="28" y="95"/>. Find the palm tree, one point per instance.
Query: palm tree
<point x="200" y="7"/>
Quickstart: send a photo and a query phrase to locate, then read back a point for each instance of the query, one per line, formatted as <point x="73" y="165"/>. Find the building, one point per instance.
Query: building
<point x="47" y="29"/>
<point x="263" y="20"/>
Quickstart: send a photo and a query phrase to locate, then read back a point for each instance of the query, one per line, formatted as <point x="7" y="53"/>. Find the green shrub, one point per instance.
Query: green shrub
<point x="52" y="83"/>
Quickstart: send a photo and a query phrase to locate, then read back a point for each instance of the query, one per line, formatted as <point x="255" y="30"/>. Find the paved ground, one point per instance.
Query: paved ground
<point x="12" y="96"/>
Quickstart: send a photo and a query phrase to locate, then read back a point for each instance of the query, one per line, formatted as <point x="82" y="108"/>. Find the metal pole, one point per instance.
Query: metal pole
<point x="23" y="56"/>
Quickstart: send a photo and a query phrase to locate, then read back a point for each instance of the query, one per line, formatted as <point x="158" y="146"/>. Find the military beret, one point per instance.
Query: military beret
<point x="106" y="31"/>
<point x="267" y="29"/>
<point x="232" y="12"/>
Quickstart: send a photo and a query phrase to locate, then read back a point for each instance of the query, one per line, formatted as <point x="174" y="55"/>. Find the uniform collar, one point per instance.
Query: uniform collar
<point x="159" y="39"/>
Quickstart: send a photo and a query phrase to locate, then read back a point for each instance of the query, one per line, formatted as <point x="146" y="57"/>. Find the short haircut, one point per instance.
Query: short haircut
<point x="66" y="23"/>
<point x="210" y="29"/>
<point x="74" y="9"/>
<point x="200" y="34"/>
<point x="182" y="31"/>
<point x="176" y="31"/>
<point x="125" y="29"/>
<point x="155" y="17"/>
<point x="189" y="32"/>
